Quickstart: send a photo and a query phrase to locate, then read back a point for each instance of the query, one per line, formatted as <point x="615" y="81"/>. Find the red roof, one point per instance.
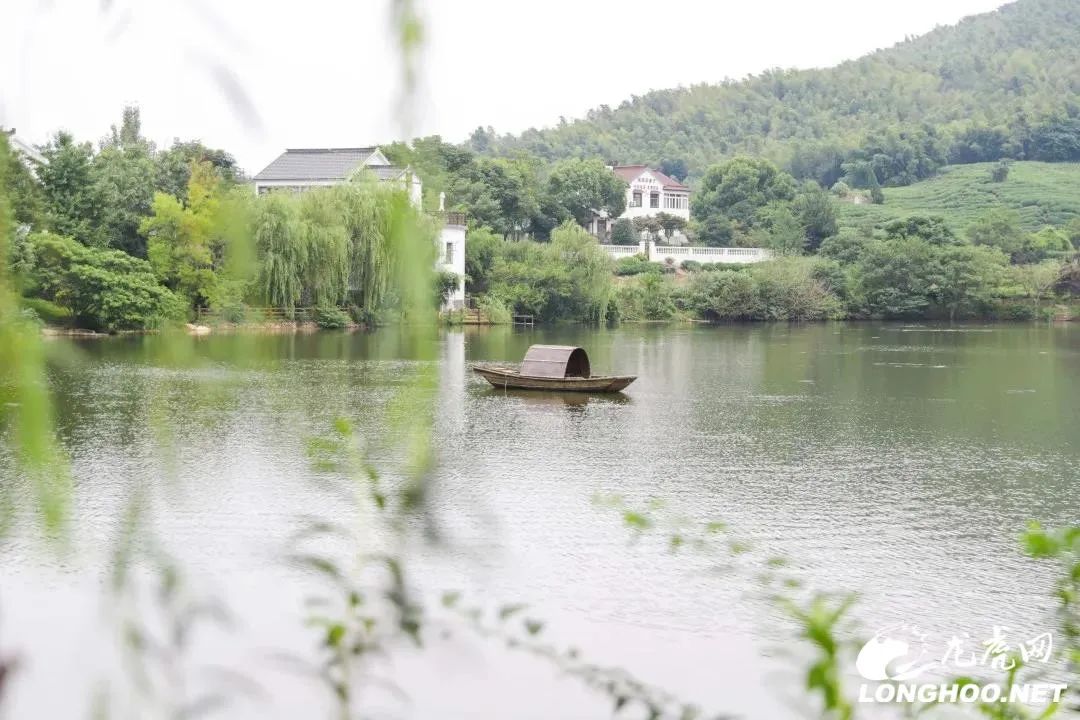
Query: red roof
<point x="630" y="173"/>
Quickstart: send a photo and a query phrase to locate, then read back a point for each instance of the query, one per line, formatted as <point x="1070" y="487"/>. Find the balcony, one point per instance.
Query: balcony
<point x="449" y="217"/>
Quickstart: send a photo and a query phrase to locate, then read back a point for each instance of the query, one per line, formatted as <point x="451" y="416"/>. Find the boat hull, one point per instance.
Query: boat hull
<point x="507" y="378"/>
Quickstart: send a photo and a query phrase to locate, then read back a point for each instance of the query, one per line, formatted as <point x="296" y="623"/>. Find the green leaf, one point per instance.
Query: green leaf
<point x="343" y="427"/>
<point x="334" y="635"/>
<point x="739" y="547"/>
<point x="507" y="611"/>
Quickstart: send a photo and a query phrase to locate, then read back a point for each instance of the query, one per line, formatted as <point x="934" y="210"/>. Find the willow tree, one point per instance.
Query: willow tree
<point x="281" y="247"/>
<point x="325" y="271"/>
<point x="381" y="224"/>
<point x="590" y="270"/>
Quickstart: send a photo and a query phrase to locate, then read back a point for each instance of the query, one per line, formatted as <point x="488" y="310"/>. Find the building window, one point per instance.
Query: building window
<point x="449" y="253"/>
<point x="654" y="200"/>
<point x="676" y="202"/>
<point x="636" y="201"/>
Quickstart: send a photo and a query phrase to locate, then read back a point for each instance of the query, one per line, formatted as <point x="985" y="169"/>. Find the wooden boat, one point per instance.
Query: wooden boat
<point x="554" y="367"/>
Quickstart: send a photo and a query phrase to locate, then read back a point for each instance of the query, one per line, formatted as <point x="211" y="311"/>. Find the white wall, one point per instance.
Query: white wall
<point x="646" y="184"/>
<point x="452" y="239"/>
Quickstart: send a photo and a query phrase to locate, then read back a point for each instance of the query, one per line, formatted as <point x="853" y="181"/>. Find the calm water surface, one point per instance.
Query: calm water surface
<point x="898" y="462"/>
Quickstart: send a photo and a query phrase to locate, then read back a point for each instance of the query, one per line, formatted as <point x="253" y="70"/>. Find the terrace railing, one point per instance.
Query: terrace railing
<point x="680" y="253"/>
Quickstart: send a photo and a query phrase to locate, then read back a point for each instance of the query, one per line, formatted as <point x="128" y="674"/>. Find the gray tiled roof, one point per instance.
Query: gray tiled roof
<point x="387" y="172"/>
<point x="316" y="164"/>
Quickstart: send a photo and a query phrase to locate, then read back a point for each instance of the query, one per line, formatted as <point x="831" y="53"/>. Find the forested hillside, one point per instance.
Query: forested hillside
<point x="1002" y="84"/>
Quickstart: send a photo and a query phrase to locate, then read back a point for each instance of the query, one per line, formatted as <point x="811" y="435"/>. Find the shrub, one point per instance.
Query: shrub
<point x="724" y="295"/>
<point x="495" y="312"/>
<point x="363" y="316"/>
<point x="233" y="312"/>
<point x="105" y="289"/>
<point x="1014" y="312"/>
<point x="331" y="318"/>
<point x="481" y="251"/>
<point x="831" y="275"/>
<point x="30" y="317"/>
<point x="691" y="265"/>
<point x="911" y="278"/>
<point x="48" y="312"/>
<point x="846" y="248"/>
<point x="623" y="232"/>
<point x="1000" y="173"/>
<point x="569" y="278"/>
<point x="786" y="289"/>
<point x="444" y="283"/>
<point x="635" y="265"/>
<point x="722" y="267"/>
<point x="648" y="297"/>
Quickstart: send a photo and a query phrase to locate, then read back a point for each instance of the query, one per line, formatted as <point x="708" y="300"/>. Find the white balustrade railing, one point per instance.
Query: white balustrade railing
<point x="679" y="253"/>
<point x="618" y="251"/>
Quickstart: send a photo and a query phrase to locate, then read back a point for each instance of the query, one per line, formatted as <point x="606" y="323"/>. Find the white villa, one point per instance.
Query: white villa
<point x="300" y="169"/>
<point x="649" y="192"/>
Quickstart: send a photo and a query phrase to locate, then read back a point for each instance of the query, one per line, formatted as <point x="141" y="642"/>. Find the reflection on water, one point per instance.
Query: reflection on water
<point x="897" y="461"/>
<point x="552" y="398"/>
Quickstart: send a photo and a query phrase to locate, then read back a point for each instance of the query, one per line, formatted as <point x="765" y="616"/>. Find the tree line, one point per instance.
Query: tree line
<point x="516" y="197"/>
<point x="126" y="237"/>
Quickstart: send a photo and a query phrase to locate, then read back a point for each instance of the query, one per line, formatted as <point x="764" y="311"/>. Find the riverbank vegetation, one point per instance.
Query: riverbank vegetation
<point x="915" y="268"/>
<point x="129" y="238"/>
<point x="202" y="241"/>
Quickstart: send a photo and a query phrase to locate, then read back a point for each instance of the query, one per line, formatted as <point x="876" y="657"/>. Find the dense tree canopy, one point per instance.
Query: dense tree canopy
<point x="516" y="196"/>
<point x="71" y="205"/>
<point x="105" y="289"/>
<point x="739" y="188"/>
<point x="583" y="187"/>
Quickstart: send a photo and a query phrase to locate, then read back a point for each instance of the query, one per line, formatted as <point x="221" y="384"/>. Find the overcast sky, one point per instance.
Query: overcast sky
<point x="256" y="76"/>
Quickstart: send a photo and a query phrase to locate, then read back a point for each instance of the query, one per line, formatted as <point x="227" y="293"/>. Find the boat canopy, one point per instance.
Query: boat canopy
<point x="556" y="361"/>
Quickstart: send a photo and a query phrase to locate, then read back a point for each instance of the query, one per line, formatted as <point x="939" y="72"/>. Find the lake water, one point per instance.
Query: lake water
<point x="899" y="462"/>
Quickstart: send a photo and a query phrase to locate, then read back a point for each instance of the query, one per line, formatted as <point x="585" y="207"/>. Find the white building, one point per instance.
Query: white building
<point x="300" y="169"/>
<point x="30" y="156"/>
<point x="649" y="192"/>
<point x="452" y="255"/>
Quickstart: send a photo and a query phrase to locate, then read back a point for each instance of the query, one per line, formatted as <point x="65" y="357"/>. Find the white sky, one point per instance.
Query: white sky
<point x="321" y="73"/>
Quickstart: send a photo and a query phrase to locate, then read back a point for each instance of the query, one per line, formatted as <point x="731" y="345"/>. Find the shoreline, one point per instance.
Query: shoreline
<point x="310" y="328"/>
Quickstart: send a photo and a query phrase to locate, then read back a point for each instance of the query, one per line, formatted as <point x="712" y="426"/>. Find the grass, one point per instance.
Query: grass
<point x="1041" y="193"/>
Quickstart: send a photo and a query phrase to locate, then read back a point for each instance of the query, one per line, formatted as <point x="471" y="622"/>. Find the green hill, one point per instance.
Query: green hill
<point x="1041" y="193"/>
<point x="1001" y="84"/>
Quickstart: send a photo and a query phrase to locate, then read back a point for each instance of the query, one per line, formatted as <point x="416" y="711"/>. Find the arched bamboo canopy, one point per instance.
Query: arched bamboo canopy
<point x="556" y="361"/>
